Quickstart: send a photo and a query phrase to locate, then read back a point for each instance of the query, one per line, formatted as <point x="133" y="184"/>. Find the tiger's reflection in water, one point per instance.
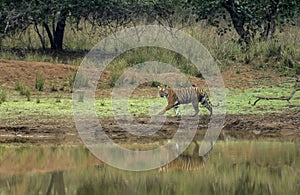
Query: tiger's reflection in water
<point x="189" y="160"/>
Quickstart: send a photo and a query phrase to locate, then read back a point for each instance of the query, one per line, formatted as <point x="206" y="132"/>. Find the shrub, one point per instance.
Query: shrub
<point x="27" y="93"/>
<point x="71" y="81"/>
<point x="39" y="81"/>
<point x="116" y="70"/>
<point x="3" y="96"/>
<point x="19" y="86"/>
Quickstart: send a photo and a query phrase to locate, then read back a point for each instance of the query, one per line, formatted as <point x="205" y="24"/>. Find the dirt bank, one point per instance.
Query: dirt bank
<point x="278" y="127"/>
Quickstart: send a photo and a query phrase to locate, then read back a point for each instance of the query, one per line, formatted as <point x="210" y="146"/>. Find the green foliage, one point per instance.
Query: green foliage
<point x="19" y="86"/>
<point x="249" y="18"/>
<point x="116" y="70"/>
<point x="71" y="81"/>
<point x="297" y="70"/>
<point x="39" y="81"/>
<point x="49" y="18"/>
<point x="3" y="96"/>
<point x="23" y="89"/>
<point x="146" y="54"/>
<point x="27" y="93"/>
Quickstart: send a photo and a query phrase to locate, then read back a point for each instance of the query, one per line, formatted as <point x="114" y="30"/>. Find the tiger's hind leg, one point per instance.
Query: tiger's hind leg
<point x="176" y="110"/>
<point x="206" y="103"/>
<point x="196" y="107"/>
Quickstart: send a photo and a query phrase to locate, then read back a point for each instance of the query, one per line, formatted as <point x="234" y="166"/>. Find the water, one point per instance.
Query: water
<point x="231" y="168"/>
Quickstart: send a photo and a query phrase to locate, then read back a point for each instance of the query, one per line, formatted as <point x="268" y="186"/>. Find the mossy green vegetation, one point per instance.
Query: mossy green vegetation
<point x="239" y="101"/>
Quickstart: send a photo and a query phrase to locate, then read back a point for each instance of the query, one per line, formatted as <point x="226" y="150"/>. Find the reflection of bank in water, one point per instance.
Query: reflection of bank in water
<point x="233" y="167"/>
<point x="188" y="160"/>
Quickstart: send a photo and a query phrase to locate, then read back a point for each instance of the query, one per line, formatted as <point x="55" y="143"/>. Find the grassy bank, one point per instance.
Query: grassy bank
<point x="239" y="101"/>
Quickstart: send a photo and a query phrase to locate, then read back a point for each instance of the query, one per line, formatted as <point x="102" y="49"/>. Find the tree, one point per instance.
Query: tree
<point x="250" y="18"/>
<point x="52" y="15"/>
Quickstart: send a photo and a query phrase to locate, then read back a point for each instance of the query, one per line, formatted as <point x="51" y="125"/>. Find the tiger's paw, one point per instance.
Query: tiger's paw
<point x="161" y="113"/>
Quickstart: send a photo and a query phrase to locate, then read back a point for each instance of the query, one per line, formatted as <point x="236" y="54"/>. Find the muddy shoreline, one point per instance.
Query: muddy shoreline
<point x="269" y="127"/>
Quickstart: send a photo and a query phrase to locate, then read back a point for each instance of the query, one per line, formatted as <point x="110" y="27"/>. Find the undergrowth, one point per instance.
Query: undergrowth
<point x="225" y="49"/>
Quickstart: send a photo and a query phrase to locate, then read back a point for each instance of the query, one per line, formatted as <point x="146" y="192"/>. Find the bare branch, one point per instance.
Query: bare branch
<point x="283" y="98"/>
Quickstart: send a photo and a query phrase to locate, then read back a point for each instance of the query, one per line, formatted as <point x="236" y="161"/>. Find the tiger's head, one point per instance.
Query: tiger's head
<point x="163" y="92"/>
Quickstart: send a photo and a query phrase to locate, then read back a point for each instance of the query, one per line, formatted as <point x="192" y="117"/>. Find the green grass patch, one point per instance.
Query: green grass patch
<point x="239" y="101"/>
<point x="19" y="86"/>
<point x="43" y="107"/>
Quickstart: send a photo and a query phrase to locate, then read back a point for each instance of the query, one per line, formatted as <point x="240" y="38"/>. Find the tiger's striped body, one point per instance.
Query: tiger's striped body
<point x="193" y="95"/>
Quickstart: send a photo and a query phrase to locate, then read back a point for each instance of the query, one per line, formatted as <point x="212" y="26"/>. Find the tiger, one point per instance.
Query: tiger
<point x="193" y="95"/>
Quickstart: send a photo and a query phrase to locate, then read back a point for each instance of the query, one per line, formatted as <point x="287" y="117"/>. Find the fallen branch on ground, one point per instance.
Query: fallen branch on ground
<point x="287" y="98"/>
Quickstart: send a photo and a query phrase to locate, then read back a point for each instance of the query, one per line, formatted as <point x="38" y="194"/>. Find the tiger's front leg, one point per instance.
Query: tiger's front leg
<point x="176" y="110"/>
<point x="168" y="107"/>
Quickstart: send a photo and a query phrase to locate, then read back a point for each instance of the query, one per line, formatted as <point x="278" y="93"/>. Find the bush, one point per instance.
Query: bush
<point x="71" y="81"/>
<point x="19" y="86"/>
<point x="39" y="81"/>
<point x="3" y="96"/>
<point x="27" y="93"/>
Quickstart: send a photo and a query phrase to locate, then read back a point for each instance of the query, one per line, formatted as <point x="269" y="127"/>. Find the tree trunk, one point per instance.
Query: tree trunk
<point x="40" y="36"/>
<point x="59" y="31"/>
<point x="271" y="16"/>
<point x="238" y="21"/>
<point x="57" y="36"/>
<point x="46" y="26"/>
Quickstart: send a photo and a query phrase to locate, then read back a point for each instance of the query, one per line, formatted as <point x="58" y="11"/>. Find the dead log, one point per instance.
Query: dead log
<point x="282" y="98"/>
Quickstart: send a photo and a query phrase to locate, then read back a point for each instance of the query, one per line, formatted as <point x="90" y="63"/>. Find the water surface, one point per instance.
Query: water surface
<point x="231" y="168"/>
